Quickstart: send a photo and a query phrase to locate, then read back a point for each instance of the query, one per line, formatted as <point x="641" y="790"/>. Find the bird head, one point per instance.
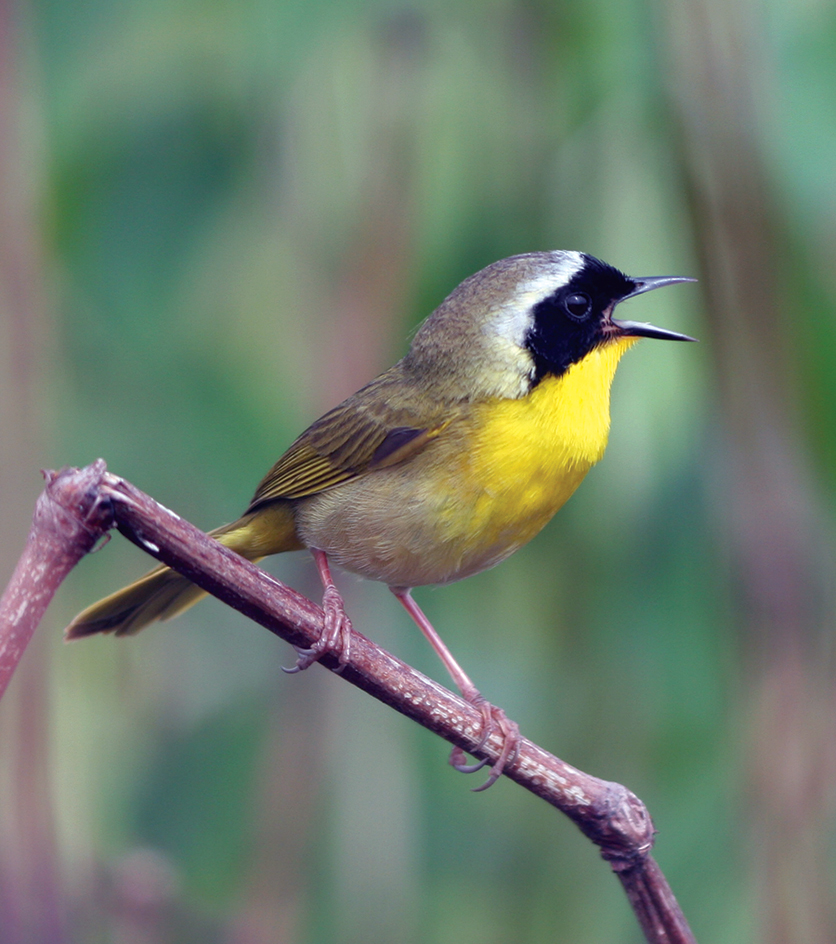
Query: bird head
<point x="504" y="329"/>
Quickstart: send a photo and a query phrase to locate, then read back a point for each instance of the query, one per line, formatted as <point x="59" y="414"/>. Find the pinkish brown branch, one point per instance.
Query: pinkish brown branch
<point x="69" y="518"/>
<point x="80" y="506"/>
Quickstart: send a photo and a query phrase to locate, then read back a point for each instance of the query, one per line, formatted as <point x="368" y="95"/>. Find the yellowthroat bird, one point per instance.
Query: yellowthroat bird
<point x="445" y="464"/>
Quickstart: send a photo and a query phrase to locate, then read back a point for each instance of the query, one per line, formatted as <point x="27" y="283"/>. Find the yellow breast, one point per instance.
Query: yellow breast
<point x="529" y="455"/>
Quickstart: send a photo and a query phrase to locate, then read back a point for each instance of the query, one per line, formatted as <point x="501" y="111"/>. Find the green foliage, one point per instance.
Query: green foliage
<point x="225" y="183"/>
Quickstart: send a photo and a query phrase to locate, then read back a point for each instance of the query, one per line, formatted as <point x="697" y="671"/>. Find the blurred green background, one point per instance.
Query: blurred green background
<point x="217" y="219"/>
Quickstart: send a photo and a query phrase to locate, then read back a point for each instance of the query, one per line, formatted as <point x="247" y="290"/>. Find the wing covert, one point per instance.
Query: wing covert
<point x="376" y="428"/>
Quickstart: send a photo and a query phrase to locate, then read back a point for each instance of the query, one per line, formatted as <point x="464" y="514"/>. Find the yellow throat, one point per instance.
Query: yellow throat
<point x="532" y="453"/>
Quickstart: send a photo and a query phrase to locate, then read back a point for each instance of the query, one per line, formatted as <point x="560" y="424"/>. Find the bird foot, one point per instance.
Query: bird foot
<point x="335" y="637"/>
<point x="493" y="719"/>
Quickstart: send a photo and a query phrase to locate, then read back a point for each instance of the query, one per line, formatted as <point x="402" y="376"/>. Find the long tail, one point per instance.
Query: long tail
<point x="163" y="593"/>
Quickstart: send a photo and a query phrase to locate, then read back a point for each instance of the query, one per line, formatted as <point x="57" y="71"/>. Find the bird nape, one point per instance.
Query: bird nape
<point x="446" y="463"/>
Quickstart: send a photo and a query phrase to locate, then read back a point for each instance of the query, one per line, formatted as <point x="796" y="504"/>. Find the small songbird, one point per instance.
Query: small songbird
<point x="445" y="464"/>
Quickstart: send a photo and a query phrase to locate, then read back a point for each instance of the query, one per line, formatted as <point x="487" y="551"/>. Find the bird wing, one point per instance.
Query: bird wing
<point x="376" y="428"/>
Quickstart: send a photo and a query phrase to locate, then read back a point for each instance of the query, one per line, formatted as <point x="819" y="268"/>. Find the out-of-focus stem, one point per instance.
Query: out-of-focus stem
<point x="771" y="516"/>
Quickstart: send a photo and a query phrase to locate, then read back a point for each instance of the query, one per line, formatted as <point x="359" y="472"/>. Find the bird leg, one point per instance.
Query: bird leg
<point x="493" y="718"/>
<point x="336" y="630"/>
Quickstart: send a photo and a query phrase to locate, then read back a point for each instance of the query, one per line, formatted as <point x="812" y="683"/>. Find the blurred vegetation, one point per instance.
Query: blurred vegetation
<point x="218" y="218"/>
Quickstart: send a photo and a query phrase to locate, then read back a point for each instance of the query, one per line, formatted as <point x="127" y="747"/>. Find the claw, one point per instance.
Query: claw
<point x="492" y="718"/>
<point x="457" y="762"/>
<point x="510" y="748"/>
<point x="306" y="659"/>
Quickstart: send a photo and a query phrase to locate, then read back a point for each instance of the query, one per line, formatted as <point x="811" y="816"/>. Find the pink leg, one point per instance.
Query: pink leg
<point x="336" y="632"/>
<point x="492" y="717"/>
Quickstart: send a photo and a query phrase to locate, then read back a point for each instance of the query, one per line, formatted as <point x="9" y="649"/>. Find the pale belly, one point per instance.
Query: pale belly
<point x="387" y="527"/>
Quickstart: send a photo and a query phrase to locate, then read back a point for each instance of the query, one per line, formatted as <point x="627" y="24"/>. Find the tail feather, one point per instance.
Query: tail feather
<point x="160" y="594"/>
<point x="163" y="593"/>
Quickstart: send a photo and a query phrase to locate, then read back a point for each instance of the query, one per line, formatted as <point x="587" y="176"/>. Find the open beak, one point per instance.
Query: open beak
<point x="637" y="329"/>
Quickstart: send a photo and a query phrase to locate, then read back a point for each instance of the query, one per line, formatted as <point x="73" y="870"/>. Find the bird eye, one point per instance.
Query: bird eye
<point x="578" y="305"/>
